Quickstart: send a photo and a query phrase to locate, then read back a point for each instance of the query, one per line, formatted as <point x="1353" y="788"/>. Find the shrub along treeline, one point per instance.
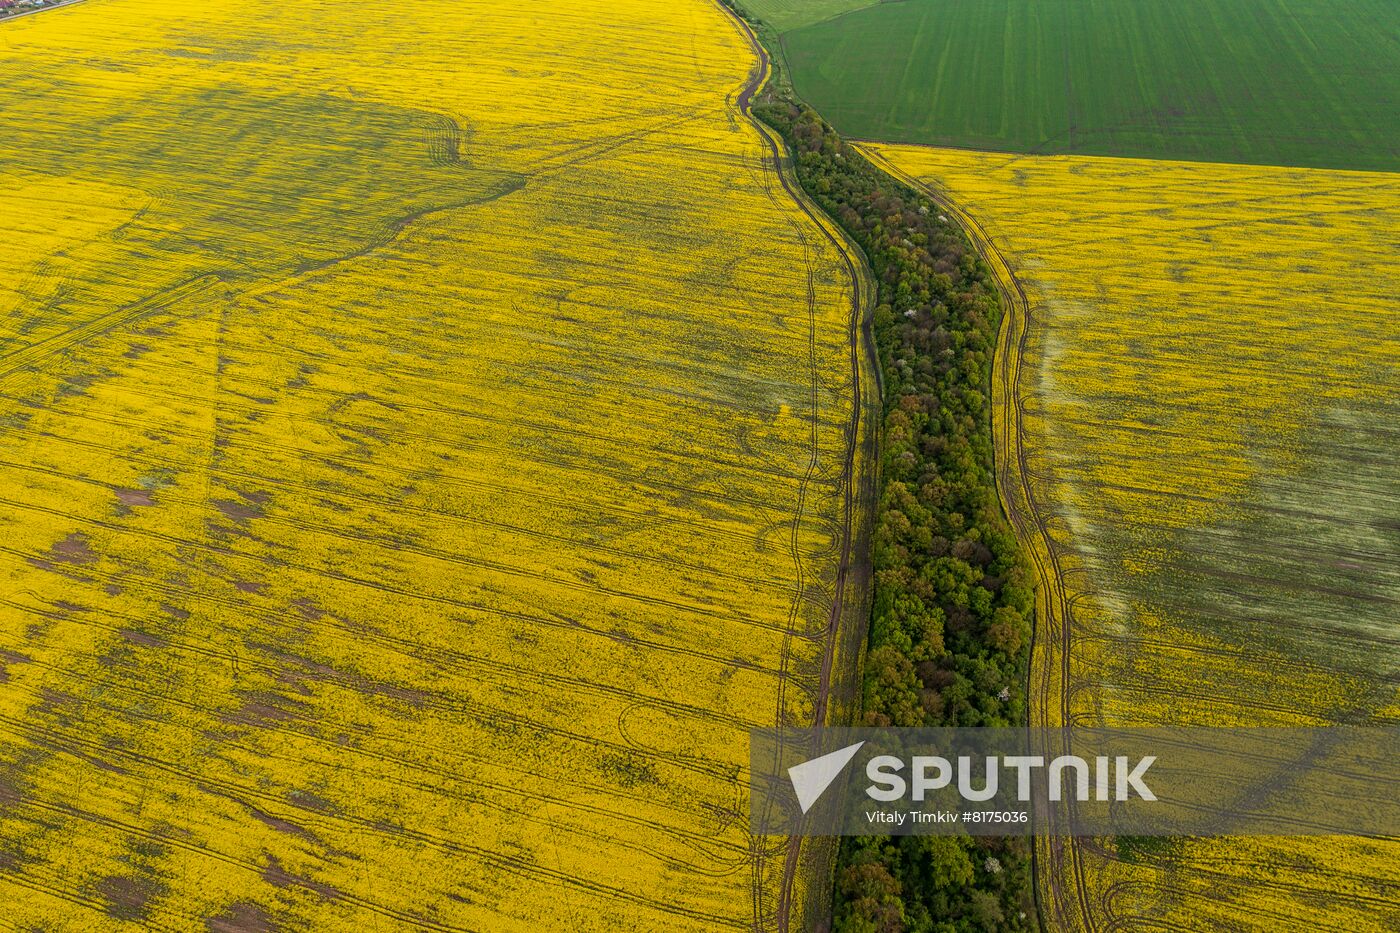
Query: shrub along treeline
<point x="951" y="622"/>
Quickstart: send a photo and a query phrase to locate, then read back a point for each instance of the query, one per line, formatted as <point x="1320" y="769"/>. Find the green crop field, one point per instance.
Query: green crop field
<point x="1275" y="82"/>
<point x="790" y="14"/>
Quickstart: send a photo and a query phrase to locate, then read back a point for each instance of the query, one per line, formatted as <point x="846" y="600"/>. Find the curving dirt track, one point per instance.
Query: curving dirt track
<point x="849" y="612"/>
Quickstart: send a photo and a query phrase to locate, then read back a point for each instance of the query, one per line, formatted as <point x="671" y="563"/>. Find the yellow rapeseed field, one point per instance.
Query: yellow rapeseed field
<point x="425" y="450"/>
<point x="1198" y="416"/>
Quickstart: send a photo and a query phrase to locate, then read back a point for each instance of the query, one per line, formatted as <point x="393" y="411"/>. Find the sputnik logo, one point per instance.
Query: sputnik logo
<point x="811" y="778"/>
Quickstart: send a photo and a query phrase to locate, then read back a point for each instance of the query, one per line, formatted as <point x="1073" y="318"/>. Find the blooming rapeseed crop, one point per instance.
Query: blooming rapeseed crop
<point x="424" y="432"/>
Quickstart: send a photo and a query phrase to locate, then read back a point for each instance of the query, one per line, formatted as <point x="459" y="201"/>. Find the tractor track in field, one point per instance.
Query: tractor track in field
<point x="1050" y="689"/>
<point x="858" y="483"/>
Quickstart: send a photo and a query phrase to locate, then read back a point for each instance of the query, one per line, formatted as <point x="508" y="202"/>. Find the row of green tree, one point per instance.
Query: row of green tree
<point x="951" y="621"/>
